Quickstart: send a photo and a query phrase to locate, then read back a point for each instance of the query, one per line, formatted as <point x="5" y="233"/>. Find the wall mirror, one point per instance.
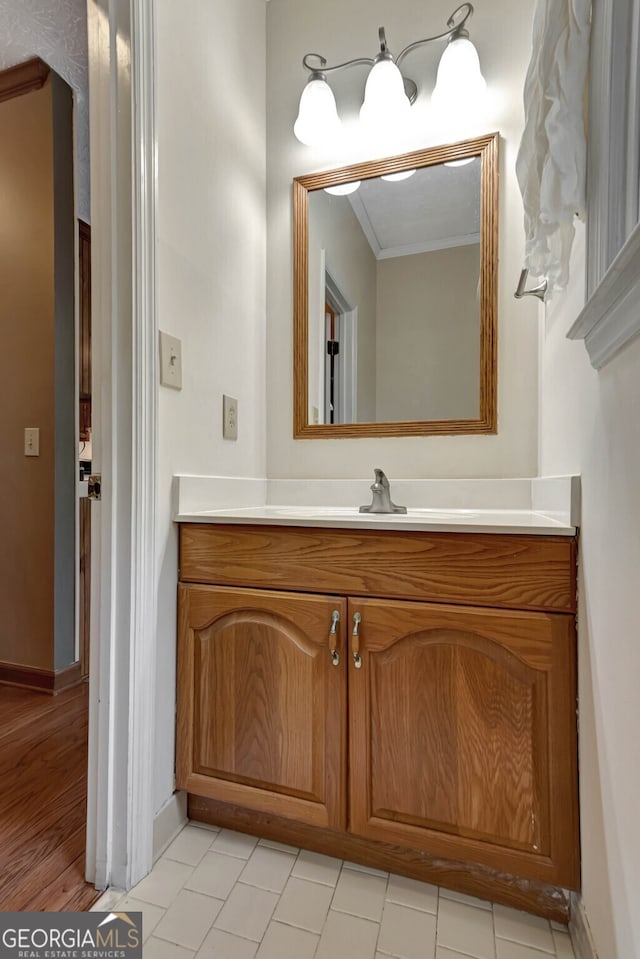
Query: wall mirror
<point x="395" y="295"/>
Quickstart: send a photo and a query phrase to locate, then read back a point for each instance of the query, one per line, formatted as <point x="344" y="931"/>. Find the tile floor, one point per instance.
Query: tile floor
<point x="217" y="894"/>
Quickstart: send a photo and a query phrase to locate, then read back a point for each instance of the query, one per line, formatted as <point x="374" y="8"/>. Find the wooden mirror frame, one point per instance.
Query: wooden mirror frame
<point x="486" y="147"/>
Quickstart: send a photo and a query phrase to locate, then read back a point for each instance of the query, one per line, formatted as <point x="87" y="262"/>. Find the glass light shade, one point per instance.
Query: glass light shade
<point x="343" y="189"/>
<point x="459" y="162"/>
<point x="459" y="84"/>
<point x="385" y="100"/>
<point x="318" y="119"/>
<point x="396" y="177"/>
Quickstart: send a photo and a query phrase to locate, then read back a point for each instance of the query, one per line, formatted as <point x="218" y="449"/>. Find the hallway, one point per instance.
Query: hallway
<point x="43" y="787"/>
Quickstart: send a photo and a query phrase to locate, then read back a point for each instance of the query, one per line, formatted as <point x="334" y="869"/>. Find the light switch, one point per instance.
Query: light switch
<point x="32" y="441"/>
<point x="170" y="361"/>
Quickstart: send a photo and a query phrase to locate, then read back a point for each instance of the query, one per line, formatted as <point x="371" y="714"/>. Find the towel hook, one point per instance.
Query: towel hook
<point x="538" y="291"/>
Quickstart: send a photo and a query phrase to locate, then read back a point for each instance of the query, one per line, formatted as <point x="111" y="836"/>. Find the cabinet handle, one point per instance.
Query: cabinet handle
<point x="355" y="641"/>
<point x="335" y="655"/>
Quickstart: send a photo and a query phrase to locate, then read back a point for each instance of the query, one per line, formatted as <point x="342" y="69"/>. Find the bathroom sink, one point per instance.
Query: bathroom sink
<point x="352" y="512"/>
<point x="311" y="511"/>
<point x="427" y="514"/>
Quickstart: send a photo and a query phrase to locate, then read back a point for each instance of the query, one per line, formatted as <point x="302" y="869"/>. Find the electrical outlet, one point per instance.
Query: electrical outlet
<point x="229" y="418"/>
<point x="32" y="441"/>
<point x="170" y="361"/>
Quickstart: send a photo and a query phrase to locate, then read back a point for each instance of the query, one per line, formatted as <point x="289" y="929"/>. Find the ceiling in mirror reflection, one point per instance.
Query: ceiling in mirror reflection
<point x="436" y="208"/>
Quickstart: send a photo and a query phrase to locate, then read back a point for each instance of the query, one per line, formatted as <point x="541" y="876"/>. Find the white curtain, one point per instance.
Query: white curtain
<point x="551" y="163"/>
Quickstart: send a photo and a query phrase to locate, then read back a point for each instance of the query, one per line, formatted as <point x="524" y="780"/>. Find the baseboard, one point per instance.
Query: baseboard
<point x="44" y="680"/>
<point x="67" y="677"/>
<point x="168" y="823"/>
<point x="27" y="676"/>
<point x="579" y="930"/>
<point x="481" y="881"/>
<point x="108" y="900"/>
<point x="166" y="826"/>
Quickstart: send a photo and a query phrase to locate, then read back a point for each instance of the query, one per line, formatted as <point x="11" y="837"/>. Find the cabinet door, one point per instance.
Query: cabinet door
<point x="462" y="730"/>
<point x="261" y="705"/>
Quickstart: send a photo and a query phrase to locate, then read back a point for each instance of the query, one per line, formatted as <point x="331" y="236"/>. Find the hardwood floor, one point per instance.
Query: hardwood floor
<point x="43" y="786"/>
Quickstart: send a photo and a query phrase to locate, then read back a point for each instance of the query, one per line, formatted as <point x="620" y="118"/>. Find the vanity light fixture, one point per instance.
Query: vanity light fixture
<point x="388" y="93"/>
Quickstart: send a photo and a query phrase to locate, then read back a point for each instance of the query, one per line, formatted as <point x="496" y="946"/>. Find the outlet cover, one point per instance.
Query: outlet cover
<point x="229" y="418"/>
<point x="170" y="361"/>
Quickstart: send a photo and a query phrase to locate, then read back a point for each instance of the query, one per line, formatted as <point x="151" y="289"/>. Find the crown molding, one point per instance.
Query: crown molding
<point x="23" y="78"/>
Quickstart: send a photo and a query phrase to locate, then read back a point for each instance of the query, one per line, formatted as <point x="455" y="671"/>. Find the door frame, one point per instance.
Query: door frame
<point x="120" y="810"/>
<point x="348" y="324"/>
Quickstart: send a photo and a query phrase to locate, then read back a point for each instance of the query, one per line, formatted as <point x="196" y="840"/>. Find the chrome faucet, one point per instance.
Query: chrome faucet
<point x="381" y="502"/>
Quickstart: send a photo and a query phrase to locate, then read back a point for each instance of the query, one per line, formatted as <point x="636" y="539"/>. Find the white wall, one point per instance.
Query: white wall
<point x="590" y="424"/>
<point x="342" y="31"/>
<point x="211" y="273"/>
<point x="428" y="335"/>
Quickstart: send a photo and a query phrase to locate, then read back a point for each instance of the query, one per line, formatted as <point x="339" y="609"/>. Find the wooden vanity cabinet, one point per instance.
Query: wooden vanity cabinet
<point x="454" y="738"/>
<point x="262" y="710"/>
<point x="461" y="735"/>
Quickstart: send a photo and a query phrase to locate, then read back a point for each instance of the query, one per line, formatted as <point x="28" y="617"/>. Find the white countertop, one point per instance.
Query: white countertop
<point x="539" y="506"/>
<point x="441" y="521"/>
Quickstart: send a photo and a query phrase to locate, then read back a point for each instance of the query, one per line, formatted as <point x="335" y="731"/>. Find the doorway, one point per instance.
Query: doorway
<point x="43" y="701"/>
<point x="121" y="66"/>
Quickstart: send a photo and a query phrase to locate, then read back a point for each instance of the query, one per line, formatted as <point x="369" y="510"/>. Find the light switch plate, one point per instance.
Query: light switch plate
<point x="32" y="441"/>
<point x="170" y="361"/>
<point x="229" y="418"/>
